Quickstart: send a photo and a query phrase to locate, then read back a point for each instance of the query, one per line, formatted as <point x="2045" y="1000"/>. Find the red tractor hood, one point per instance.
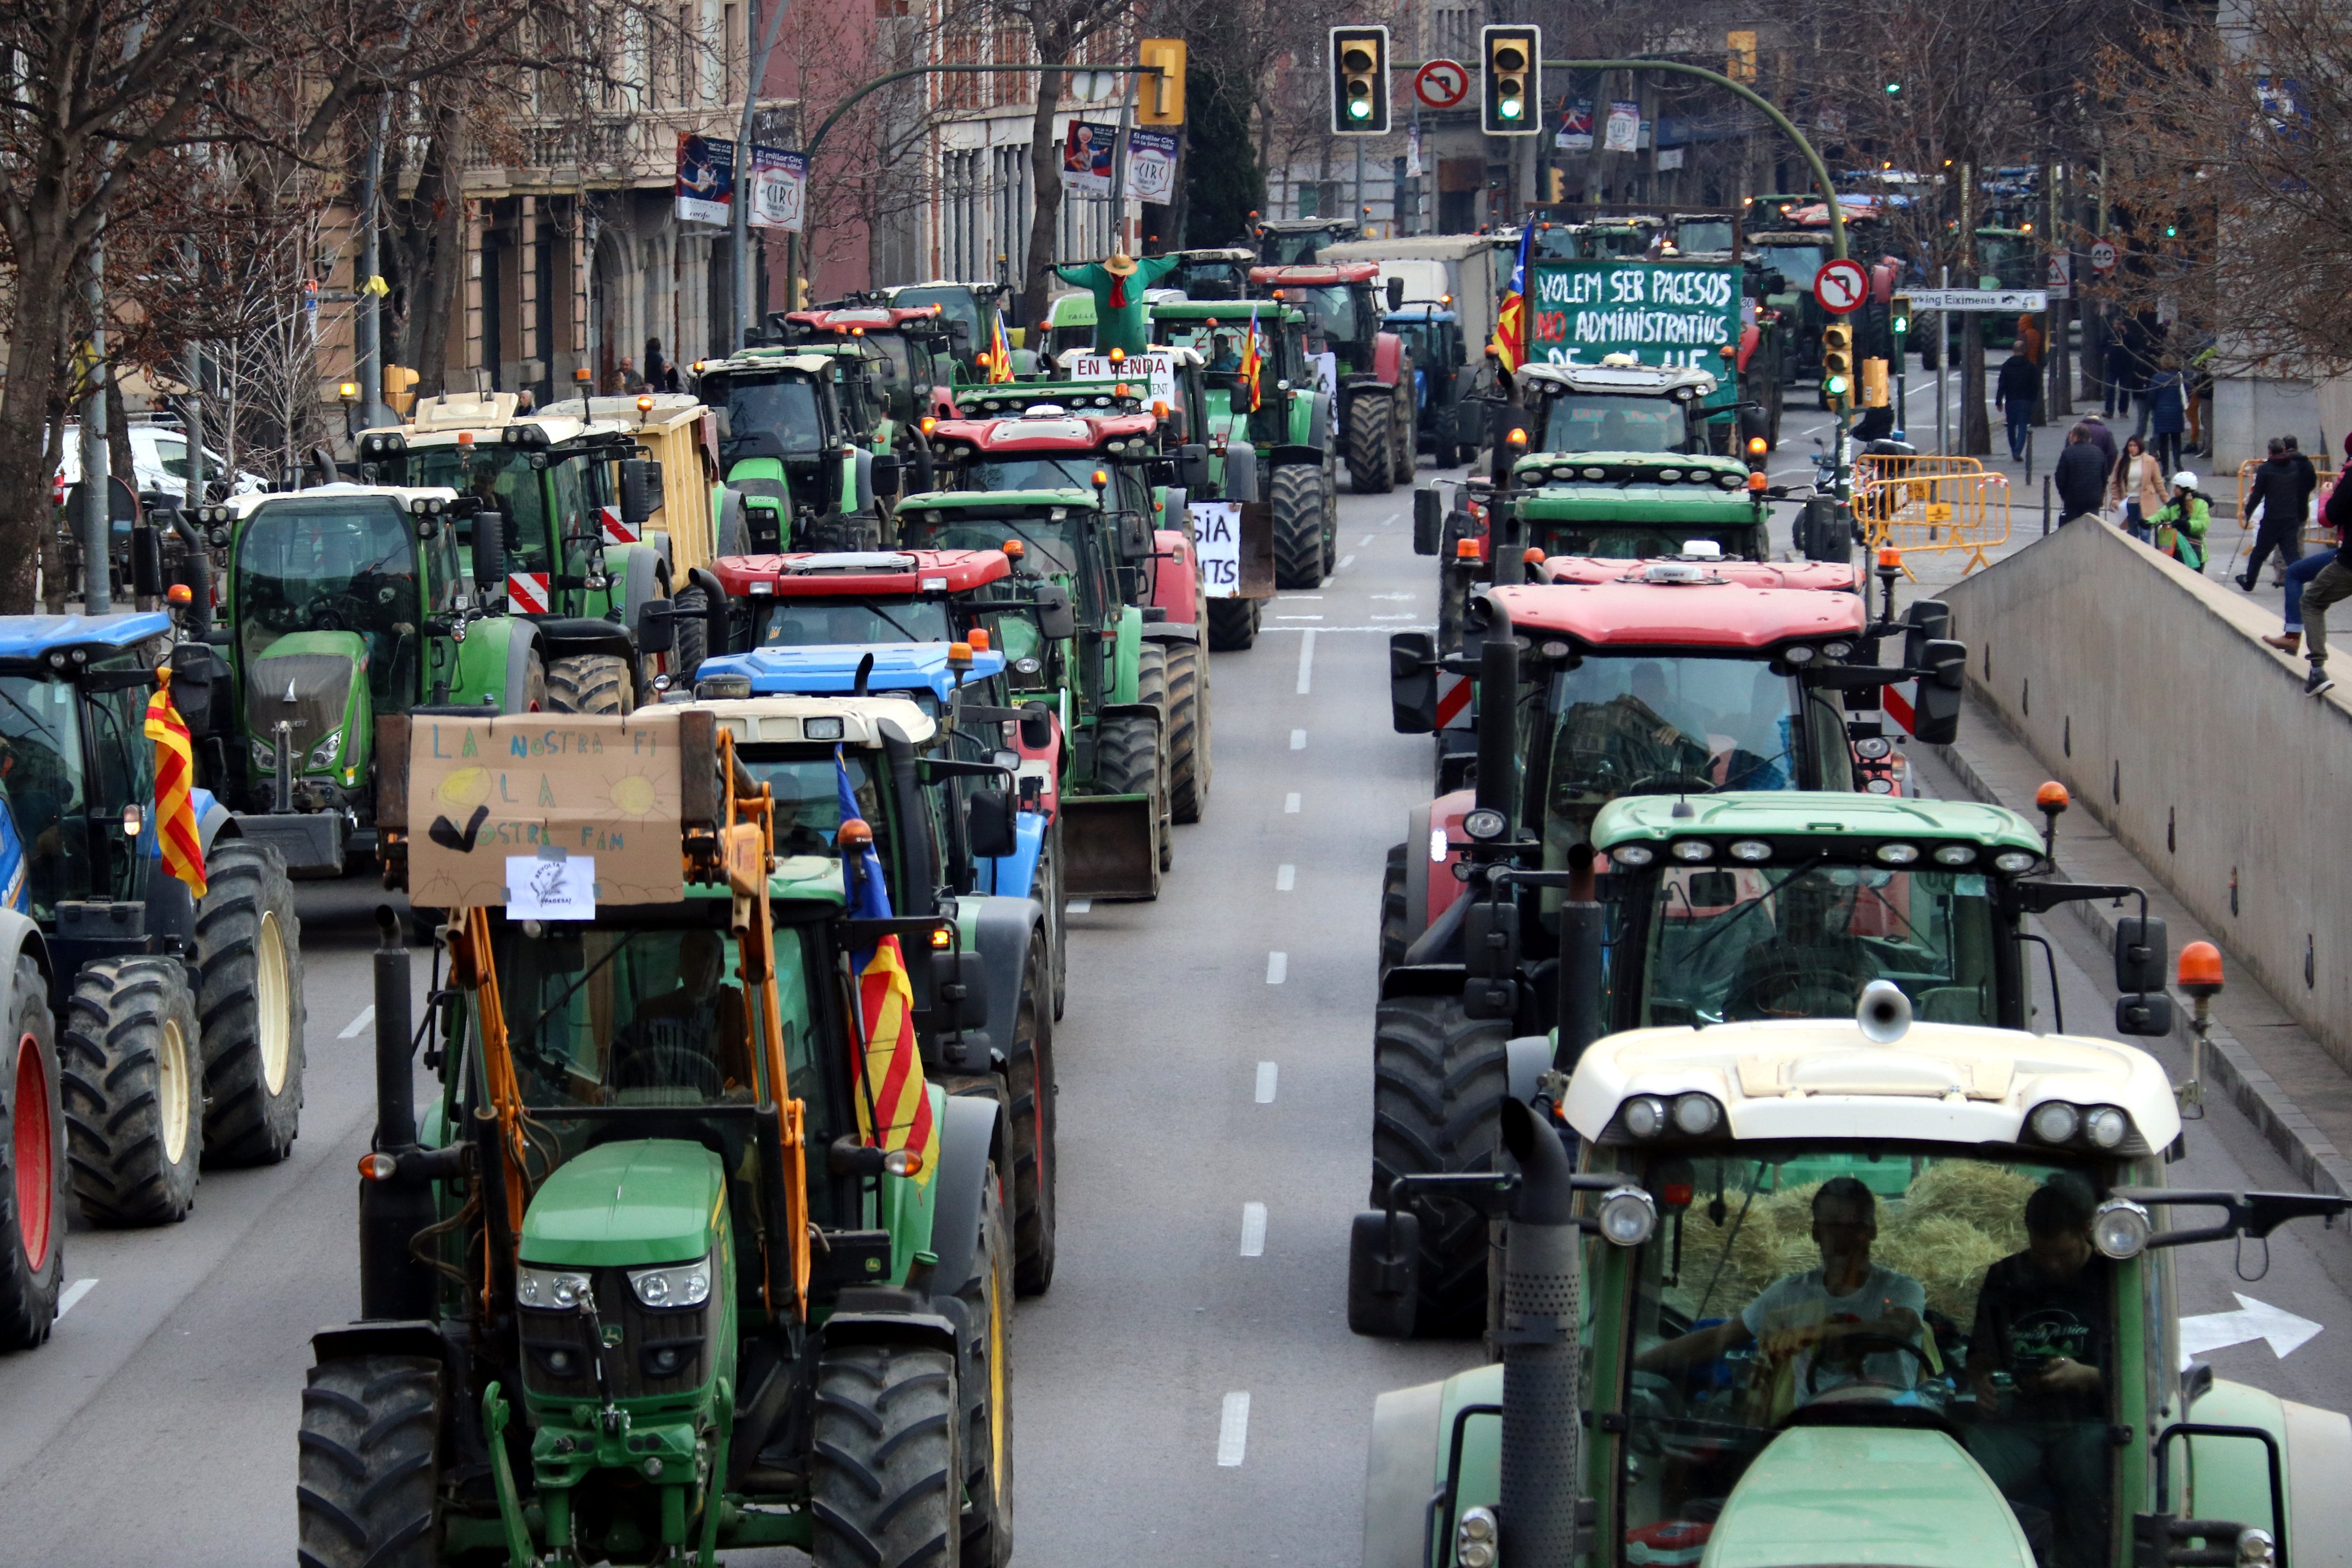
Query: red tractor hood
<point x="882" y="574"/>
<point x="1820" y="574"/>
<point x="1054" y="433"/>
<point x="1701" y="617"/>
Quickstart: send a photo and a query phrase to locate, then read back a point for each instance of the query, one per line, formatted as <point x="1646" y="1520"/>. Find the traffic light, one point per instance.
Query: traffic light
<point x="1160" y="99"/>
<point x="399" y="389"/>
<point x="1837" y="366"/>
<point x="1360" y="81"/>
<point x="1898" y="320"/>
<point x="1507" y="88"/>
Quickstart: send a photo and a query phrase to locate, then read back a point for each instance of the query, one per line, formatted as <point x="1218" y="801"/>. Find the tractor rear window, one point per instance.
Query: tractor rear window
<point x="784" y="411"/>
<point x="816" y="623"/>
<point x="348" y="566"/>
<point x="41" y="778"/>
<point x="1598" y="421"/>
<point x="807" y="786"/>
<point x="1051" y="546"/>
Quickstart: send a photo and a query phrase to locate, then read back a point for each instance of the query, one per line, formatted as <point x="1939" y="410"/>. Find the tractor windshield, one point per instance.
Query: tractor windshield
<point x="1702" y="234"/>
<point x="773" y="416"/>
<point x="1331" y="316"/>
<point x="956" y="302"/>
<point x="1600" y="422"/>
<point x="333" y="566"/>
<point x="1051" y="539"/>
<point x="1041" y="471"/>
<point x="1799" y="264"/>
<point x="501" y="479"/>
<point x="41" y="778"/>
<point x="810" y="623"/>
<point x="1863" y="1282"/>
<point x="807" y="786"/>
<point x="1731" y="944"/>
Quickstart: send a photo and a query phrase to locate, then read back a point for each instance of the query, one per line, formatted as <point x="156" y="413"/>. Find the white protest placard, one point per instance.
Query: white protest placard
<point x="1158" y="369"/>
<point x="551" y="886"/>
<point x="1217" y="536"/>
<point x="1327" y="373"/>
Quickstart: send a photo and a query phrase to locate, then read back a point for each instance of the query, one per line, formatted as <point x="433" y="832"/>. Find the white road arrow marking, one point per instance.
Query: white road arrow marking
<point x="2253" y="1320"/>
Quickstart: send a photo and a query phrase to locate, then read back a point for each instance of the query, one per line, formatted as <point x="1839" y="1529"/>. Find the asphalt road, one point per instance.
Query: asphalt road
<point x="1188" y="1393"/>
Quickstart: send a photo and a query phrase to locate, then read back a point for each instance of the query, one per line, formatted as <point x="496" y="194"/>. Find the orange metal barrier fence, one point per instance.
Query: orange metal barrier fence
<point x="1931" y="503"/>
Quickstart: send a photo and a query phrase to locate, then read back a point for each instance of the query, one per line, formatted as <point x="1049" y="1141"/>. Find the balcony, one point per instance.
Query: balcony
<point x="606" y="150"/>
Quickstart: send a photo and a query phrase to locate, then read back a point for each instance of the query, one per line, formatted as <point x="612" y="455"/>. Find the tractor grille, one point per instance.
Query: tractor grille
<point x="560" y="1348"/>
<point x="309" y="688"/>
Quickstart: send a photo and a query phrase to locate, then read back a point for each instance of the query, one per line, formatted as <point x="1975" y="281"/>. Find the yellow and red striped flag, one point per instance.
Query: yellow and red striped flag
<point x="1000" y="352"/>
<point x="1253" y="364"/>
<point x="1510" y="339"/>
<point x="894" y="1103"/>
<point x="175" y="778"/>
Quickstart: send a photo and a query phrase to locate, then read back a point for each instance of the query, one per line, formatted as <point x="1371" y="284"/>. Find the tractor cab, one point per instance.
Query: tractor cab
<point x="1111" y="456"/>
<point x="1294" y="242"/>
<point x="1221" y="273"/>
<point x="968" y="311"/>
<point x="937" y="596"/>
<point x="917" y="371"/>
<point x="1343" y="306"/>
<point x="1617" y="408"/>
<point x="1069" y="324"/>
<point x="792" y="443"/>
<point x="1635" y="506"/>
<point x="1368" y="373"/>
<point x="1448" y="422"/>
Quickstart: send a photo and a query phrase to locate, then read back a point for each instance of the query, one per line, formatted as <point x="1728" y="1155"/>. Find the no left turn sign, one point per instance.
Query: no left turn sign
<point x="1441" y="84"/>
<point x="1841" y="286"/>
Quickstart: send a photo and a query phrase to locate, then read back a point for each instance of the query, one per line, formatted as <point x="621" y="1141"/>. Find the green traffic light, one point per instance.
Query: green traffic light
<point x="1508" y="109"/>
<point x="2171" y="232"/>
<point x="1902" y="323"/>
<point x="1834" y="385"/>
<point x="1360" y="110"/>
<point x="1893" y="87"/>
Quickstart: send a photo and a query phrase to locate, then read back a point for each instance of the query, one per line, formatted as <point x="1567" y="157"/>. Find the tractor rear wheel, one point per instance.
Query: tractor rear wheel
<point x="1371" y="445"/>
<point x="1438" y="1081"/>
<point x="1233" y="625"/>
<point x="693" y="645"/>
<point x="1047" y="889"/>
<point x="886" y="1466"/>
<point x="1188" y="732"/>
<point x="1029" y="1075"/>
<point x="1130" y="760"/>
<point x="1297" y="506"/>
<point x="984" y="1378"/>
<point x="370" y="1463"/>
<point x="249" y="1006"/>
<point x="1151" y="685"/>
<point x="132" y="1091"/>
<point x="1400" y="425"/>
<point x="1395" y="923"/>
<point x="590" y="683"/>
<point x="32" y="1168"/>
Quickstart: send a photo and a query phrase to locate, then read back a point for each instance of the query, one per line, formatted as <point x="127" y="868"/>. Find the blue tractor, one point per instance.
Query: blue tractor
<point x="1447" y="422"/>
<point x="153" y="1031"/>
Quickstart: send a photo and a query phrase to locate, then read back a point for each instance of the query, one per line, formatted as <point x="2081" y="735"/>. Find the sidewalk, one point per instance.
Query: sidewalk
<point x="2281" y="1078"/>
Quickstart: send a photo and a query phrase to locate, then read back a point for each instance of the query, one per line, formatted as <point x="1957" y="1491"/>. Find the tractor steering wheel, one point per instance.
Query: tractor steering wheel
<point x="1780" y="990"/>
<point x="1878" y="1342"/>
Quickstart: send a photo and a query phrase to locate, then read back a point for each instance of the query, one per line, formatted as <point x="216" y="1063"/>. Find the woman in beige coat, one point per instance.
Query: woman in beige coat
<point x="2137" y="486"/>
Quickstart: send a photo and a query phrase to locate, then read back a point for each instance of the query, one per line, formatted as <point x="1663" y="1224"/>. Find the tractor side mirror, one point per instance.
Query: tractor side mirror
<point x="1428" y="520"/>
<point x="1193" y="466"/>
<point x="1413" y="683"/>
<point x="1134" y="535"/>
<point x="1383" y="1273"/>
<point x="1490" y="947"/>
<point x="1924" y="622"/>
<point x="640" y="490"/>
<point x="960" y="989"/>
<point x="656" y="626"/>
<point x="2144" y="1013"/>
<point x="1037" y="726"/>
<point x="988" y="824"/>
<point x="1936" y="708"/>
<point x="146" y="563"/>
<point x="2143" y="952"/>
<point x="888" y="473"/>
<point x="1396" y="293"/>
<point x="491" y="552"/>
<point x="193" y="667"/>
<point x="1057" y="621"/>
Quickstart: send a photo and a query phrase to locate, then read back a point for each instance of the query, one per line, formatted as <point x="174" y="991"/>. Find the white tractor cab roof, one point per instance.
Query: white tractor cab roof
<point x="419" y="499"/>
<point x="1620" y="373"/>
<point x="769" y="359"/>
<point x="847" y="721"/>
<point x="1812" y="1078"/>
<point x="439" y="421"/>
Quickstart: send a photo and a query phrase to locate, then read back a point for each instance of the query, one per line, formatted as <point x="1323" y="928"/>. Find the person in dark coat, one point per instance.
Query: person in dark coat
<point x="2096" y="430"/>
<point x="2082" y="477"/>
<point x="2277" y="493"/>
<point x="2017" y="392"/>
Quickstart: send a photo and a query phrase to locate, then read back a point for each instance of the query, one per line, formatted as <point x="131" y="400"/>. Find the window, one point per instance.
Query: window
<point x="1587" y="422"/>
<point x="816" y="623"/>
<point x="41" y="779"/>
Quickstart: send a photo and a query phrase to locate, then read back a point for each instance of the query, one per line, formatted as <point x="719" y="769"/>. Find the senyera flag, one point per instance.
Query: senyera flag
<point x="893" y="1105"/>
<point x="176" y="779"/>
<point x="1253" y="365"/>
<point x="1000" y="350"/>
<point x="1510" y="340"/>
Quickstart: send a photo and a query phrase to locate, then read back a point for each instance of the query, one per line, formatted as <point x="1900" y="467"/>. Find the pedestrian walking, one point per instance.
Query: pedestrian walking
<point x="2330" y="583"/>
<point x="2028" y="339"/>
<point x="2117" y="402"/>
<point x="2147" y="340"/>
<point x="2291" y="640"/>
<point x="2082" y="477"/>
<point x="2276" y="493"/>
<point x="2135" y="485"/>
<point x="2200" y="404"/>
<point x="626" y="378"/>
<point x="2101" y="437"/>
<point x="661" y="375"/>
<point x="2168" y="409"/>
<point x="2178" y="529"/>
<point x="2016" y="392"/>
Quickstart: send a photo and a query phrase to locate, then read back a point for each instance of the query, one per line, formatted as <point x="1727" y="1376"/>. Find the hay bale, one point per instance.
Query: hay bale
<point x="1988" y="1197"/>
<point x="1947" y="1255"/>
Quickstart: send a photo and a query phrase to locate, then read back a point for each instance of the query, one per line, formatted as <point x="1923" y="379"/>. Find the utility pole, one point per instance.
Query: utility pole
<point x="191" y="418"/>
<point x="97" y="511"/>
<point x="367" y="328"/>
<point x="1118" y="169"/>
<point x="739" y="220"/>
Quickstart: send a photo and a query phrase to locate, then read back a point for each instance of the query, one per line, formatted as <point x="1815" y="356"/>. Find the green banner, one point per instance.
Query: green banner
<point x="1661" y="312"/>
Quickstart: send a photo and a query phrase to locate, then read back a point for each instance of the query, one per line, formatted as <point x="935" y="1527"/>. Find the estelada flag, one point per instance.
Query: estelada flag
<point x="893" y="1105"/>
<point x="175" y="777"/>
<point x="1000" y="352"/>
<point x="1510" y="339"/>
<point x="1252" y="368"/>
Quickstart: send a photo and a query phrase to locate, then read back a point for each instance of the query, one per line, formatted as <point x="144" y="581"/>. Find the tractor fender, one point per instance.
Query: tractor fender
<point x="1446" y="815"/>
<point x="967" y="1132"/>
<point x="213" y="820"/>
<point x="503" y="665"/>
<point x="1388" y="359"/>
<point x="1404" y="1465"/>
<point x="932" y="1331"/>
<point x="1000" y="932"/>
<point x="865" y="481"/>
<point x="389" y="1336"/>
<point x="1417" y="868"/>
<point x="642" y="574"/>
<point x="1176" y="583"/>
<point x="1124" y="654"/>
<point x="1241" y="472"/>
<point x="1015" y="875"/>
<point x="2232" y="1482"/>
<point x="1527" y="1057"/>
<point x="564" y="637"/>
<point x="1424" y="980"/>
<point x="1131" y="710"/>
<point x="1749" y="338"/>
<point x="21" y="938"/>
<point x="1290" y="457"/>
<point x="1170" y="631"/>
<point x="1319" y="422"/>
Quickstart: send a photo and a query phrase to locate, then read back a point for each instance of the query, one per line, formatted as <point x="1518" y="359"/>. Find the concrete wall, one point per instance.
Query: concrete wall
<point x="2139" y="685"/>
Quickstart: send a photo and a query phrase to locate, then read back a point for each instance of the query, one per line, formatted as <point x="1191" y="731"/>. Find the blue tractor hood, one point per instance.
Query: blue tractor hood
<point x="830" y="669"/>
<point x="30" y="636"/>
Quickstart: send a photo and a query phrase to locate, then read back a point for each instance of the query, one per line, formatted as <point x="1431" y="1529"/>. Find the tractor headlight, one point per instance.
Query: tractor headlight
<point x="2014" y="862"/>
<point x="2119" y="1229"/>
<point x="1631" y="855"/>
<point x="551" y="1289"/>
<point x="1628" y="1216"/>
<point x="1475" y="1538"/>
<point x="820" y="729"/>
<point x="1645" y="1116"/>
<point x="264" y="756"/>
<point x="2055" y="1121"/>
<point x="679" y="1285"/>
<point x="323" y="756"/>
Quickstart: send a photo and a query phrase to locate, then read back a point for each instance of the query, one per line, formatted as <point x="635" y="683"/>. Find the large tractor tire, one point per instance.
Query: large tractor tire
<point x="1395" y="922"/>
<point x="590" y="683"/>
<point x="1188" y="732"/>
<point x="32" y="1168"/>
<point x="1402" y="419"/>
<point x="1233" y="624"/>
<point x="1029" y="1087"/>
<point x="984" y="1378"/>
<point x="1438" y="1082"/>
<point x="1151" y="685"/>
<point x="370" y="1463"/>
<point x="249" y="1006"/>
<point x="1129" y="760"/>
<point x="1297" y="506"/>
<point x="884" y="1478"/>
<point x="1371" y="445"/>
<point x="1330" y="519"/>
<point x="693" y="645"/>
<point x="1048" y="891"/>
<point x="132" y="1091"/>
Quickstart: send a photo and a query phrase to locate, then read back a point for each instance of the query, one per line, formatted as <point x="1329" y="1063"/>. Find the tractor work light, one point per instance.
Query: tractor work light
<point x="1955" y="854"/>
<point x="1628" y="1216"/>
<point x="1692" y="851"/>
<point x="551" y="1289"/>
<point x="822" y="728"/>
<point x="1645" y="1116"/>
<point x="1897" y="854"/>
<point x="1749" y="850"/>
<point x="2119" y="1229"/>
<point x="2055" y="1121"/>
<point x="2107" y="1127"/>
<point x="1475" y="1539"/>
<point x="1876" y="748"/>
<point x="1484" y="824"/>
<point x="1635" y="854"/>
<point x="675" y="1285"/>
<point x="1696" y="1115"/>
<point x="2015" y="861"/>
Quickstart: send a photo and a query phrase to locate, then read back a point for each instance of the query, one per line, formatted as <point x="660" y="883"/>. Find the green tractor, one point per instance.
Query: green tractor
<point x="642" y="1284"/>
<point x="1873" y="1287"/>
<point x="800" y="444"/>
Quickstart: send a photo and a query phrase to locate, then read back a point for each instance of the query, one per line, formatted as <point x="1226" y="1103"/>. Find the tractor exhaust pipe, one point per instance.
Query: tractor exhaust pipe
<point x="1540" y="1284"/>
<point x="394" y="1204"/>
<point x="1499" y="696"/>
<point x="200" y="566"/>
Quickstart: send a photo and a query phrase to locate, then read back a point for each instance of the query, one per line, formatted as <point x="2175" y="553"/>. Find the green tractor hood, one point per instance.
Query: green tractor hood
<point x="1895" y="1496"/>
<point x="659" y="1201"/>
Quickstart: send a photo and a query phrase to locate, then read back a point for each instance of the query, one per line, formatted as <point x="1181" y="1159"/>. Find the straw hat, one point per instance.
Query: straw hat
<point x="1120" y="265"/>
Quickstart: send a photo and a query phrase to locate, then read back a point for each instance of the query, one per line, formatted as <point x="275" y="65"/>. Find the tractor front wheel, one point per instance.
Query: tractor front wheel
<point x="1233" y="625"/>
<point x="134" y="1092"/>
<point x="1438" y="1081"/>
<point x="1297" y="506"/>
<point x="32" y="1168"/>
<point x="1401" y="422"/>
<point x="1129" y="760"/>
<point x="984" y="1378"/>
<point x="590" y="683"/>
<point x="249" y="1006"/>
<point x="1029" y="1073"/>
<point x="1151" y="685"/>
<point x="1372" y="444"/>
<point x="1396" y="923"/>
<point x="886" y="1470"/>
<point x="693" y="645"/>
<point x="370" y="1462"/>
<point x="1188" y="732"/>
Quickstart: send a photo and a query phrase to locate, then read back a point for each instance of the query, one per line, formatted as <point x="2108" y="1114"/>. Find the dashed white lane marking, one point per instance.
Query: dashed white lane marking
<point x="1299" y="740"/>
<point x="1293" y="598"/>
<point x="1078" y="906"/>
<point x="1361" y="543"/>
<point x="1253" y="1230"/>
<point x="73" y="1293"/>
<point x="1277" y="968"/>
<point x="1395" y="598"/>
<point x="1290" y="803"/>
<point x="1306" y="661"/>
<point x="1266" y="1074"/>
<point x="1284" y="878"/>
<point x="1347" y="561"/>
<point x="1405" y="617"/>
<point x="357" y="1027"/>
<point x="1233" y="1430"/>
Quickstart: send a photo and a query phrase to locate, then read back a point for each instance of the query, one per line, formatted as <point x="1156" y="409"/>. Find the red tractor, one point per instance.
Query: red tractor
<point x="917" y="376"/>
<point x="1372" y="396"/>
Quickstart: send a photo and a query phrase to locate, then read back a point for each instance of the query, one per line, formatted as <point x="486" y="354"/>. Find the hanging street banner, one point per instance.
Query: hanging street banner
<point x="1575" y="133"/>
<point x="1086" y="157"/>
<point x="1412" y="150"/>
<point x="706" y="180"/>
<point x="1661" y="312"/>
<point x="1624" y="127"/>
<point x="1151" y="165"/>
<point x="779" y="189"/>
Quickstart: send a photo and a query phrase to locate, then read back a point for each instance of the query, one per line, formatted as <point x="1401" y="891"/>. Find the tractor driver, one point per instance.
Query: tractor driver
<point x="1228" y="358"/>
<point x="1848" y="1323"/>
<point x="695" y="1042"/>
<point x="1813" y="965"/>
